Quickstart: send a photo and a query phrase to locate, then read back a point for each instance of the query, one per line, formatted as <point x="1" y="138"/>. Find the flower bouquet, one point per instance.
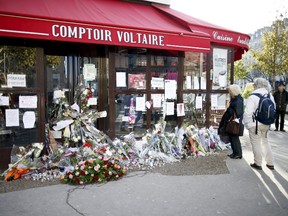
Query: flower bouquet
<point x="95" y="170"/>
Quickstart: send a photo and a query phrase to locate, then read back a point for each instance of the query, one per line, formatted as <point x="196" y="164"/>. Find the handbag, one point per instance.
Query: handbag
<point x="234" y="127"/>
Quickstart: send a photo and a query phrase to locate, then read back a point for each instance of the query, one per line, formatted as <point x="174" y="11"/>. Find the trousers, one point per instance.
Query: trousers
<point x="281" y="115"/>
<point x="260" y="145"/>
<point x="236" y="145"/>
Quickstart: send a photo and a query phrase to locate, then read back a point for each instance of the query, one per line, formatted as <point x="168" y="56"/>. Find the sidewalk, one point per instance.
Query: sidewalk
<point x="243" y="192"/>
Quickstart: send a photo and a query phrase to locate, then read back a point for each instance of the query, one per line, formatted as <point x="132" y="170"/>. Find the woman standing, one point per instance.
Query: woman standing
<point x="236" y="106"/>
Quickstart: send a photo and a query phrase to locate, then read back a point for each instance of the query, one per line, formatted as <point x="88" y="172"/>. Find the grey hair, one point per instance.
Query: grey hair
<point x="234" y="90"/>
<point x="261" y="83"/>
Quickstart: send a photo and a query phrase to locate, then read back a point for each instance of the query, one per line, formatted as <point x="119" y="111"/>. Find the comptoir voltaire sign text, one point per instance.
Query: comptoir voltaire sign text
<point x="100" y="34"/>
<point x="55" y="30"/>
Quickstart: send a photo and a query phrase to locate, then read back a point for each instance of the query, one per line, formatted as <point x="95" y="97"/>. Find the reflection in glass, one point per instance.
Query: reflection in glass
<point x="19" y="61"/>
<point x="130" y="113"/>
<point x="193" y="114"/>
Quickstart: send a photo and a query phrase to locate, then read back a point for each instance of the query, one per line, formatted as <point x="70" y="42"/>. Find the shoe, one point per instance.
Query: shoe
<point x="282" y="130"/>
<point x="230" y="155"/>
<point x="236" y="157"/>
<point x="276" y="130"/>
<point x="256" y="166"/>
<point x="271" y="167"/>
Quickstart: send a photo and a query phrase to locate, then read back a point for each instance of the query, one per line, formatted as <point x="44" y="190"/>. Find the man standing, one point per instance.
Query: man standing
<point x="281" y="100"/>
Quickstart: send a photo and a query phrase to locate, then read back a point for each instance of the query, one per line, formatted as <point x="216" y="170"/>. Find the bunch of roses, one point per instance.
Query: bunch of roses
<point x="98" y="170"/>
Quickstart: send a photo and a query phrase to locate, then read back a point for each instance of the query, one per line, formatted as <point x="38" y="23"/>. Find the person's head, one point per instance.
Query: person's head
<point x="281" y="86"/>
<point x="261" y="83"/>
<point x="234" y="90"/>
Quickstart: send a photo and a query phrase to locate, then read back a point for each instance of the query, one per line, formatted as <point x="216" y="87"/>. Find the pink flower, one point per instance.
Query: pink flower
<point x="70" y="176"/>
<point x="82" y="167"/>
<point x="96" y="168"/>
<point x="86" y="172"/>
<point x="82" y="162"/>
<point x="81" y="182"/>
<point x="100" y="157"/>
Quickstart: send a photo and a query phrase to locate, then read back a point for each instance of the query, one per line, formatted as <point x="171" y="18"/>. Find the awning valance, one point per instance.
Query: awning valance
<point x="112" y="22"/>
<point x="218" y="35"/>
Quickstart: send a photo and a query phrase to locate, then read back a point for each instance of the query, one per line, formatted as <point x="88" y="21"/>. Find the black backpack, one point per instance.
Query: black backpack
<point x="266" y="112"/>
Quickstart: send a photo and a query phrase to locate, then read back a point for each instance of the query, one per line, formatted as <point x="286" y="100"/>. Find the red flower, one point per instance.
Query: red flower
<point x="77" y="179"/>
<point x="82" y="173"/>
<point x="87" y="144"/>
<point x="106" y="174"/>
<point x="95" y="178"/>
<point x="105" y="162"/>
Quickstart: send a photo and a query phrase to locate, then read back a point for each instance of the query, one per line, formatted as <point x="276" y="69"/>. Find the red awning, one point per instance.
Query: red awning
<point x="112" y="22"/>
<point x="219" y="35"/>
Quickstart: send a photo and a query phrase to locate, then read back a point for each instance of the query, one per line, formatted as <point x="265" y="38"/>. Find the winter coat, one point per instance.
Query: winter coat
<point x="281" y="100"/>
<point x="236" y="106"/>
<point x="252" y="103"/>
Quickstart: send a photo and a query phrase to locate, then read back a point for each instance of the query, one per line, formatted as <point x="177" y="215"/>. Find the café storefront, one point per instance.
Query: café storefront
<point x="143" y="61"/>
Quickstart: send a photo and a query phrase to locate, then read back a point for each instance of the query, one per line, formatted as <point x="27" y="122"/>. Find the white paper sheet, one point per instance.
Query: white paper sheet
<point x="16" y="80"/>
<point x="180" y="109"/>
<point x="125" y="118"/>
<point x="29" y="118"/>
<point x="56" y="134"/>
<point x="157" y="100"/>
<point x="170" y="89"/>
<point x="203" y="83"/>
<point x="12" y="117"/>
<point x="140" y="103"/>
<point x="58" y="94"/>
<point x="92" y="101"/>
<point x="120" y="79"/>
<point x="196" y="82"/>
<point x="75" y="107"/>
<point x="89" y="72"/>
<point x="214" y="101"/>
<point x="169" y="108"/>
<point x="103" y="114"/>
<point x="198" y="102"/>
<point x="62" y="124"/>
<point x="220" y="67"/>
<point x="4" y="101"/>
<point x="28" y="101"/>
<point x="157" y="82"/>
<point x="188" y="82"/>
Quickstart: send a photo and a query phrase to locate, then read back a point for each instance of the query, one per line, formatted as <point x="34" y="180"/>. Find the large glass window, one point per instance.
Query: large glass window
<point x="195" y="71"/>
<point x="130" y="113"/>
<point x="195" y="88"/>
<point x="131" y="69"/>
<point x="17" y="67"/>
<point x="18" y="97"/>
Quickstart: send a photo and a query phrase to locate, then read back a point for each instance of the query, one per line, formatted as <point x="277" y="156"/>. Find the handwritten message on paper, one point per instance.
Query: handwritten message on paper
<point x="28" y="101"/>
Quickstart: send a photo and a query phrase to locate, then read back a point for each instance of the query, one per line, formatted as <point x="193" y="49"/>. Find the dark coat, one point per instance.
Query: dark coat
<point x="236" y="105"/>
<point x="281" y="100"/>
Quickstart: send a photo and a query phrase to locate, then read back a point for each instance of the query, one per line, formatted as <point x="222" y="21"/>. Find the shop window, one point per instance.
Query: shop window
<point x="195" y="109"/>
<point x="130" y="113"/>
<point x="131" y="71"/>
<point x="221" y="68"/>
<point x="219" y="103"/>
<point x="18" y="119"/>
<point x="163" y="68"/>
<point x="17" y="67"/>
<point x="195" y="71"/>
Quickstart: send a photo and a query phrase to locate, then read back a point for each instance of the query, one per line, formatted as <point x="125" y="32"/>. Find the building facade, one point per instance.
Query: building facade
<point x="141" y="60"/>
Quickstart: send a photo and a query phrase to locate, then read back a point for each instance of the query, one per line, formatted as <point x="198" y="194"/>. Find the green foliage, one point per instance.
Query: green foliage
<point x="273" y="59"/>
<point x="240" y="70"/>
